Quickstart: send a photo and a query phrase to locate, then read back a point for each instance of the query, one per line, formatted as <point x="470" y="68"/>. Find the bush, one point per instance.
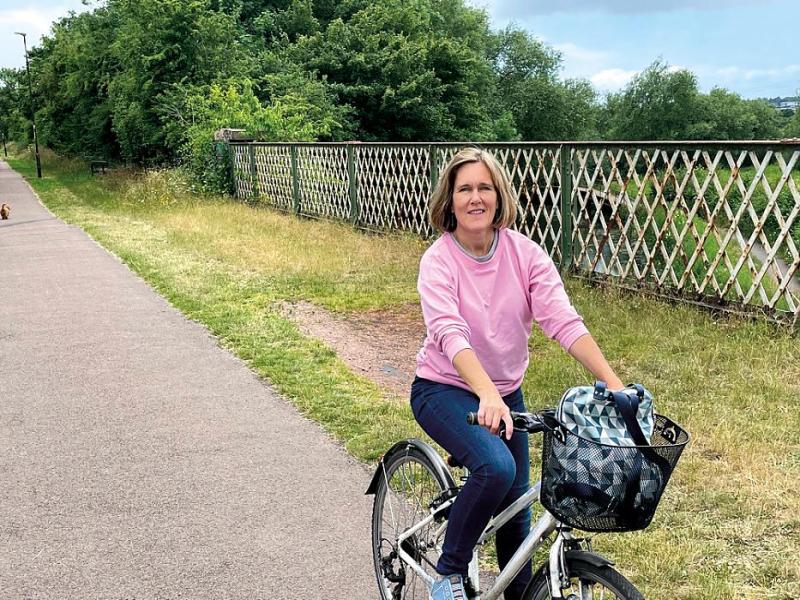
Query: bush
<point x="205" y="110"/>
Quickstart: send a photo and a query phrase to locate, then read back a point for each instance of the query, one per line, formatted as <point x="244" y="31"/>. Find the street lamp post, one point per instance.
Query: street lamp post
<point x="33" y="112"/>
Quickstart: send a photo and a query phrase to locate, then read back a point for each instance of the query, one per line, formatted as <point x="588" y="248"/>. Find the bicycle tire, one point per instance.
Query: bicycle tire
<point x="582" y="572"/>
<point x="413" y="482"/>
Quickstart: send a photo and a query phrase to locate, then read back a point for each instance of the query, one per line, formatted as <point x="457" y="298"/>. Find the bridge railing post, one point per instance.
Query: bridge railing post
<point x="566" y="207"/>
<point x="295" y="180"/>
<point x="352" y="183"/>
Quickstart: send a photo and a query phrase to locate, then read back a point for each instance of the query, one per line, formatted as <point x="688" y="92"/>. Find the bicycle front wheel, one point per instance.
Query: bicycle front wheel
<point x="587" y="582"/>
<point x="402" y="499"/>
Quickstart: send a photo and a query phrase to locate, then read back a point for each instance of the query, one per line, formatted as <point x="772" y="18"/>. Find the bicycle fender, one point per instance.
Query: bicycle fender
<point x="594" y="559"/>
<point x="404" y="446"/>
<point x="570" y="556"/>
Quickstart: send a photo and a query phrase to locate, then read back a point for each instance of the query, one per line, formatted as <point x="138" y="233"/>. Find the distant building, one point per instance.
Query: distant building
<point x="788" y="103"/>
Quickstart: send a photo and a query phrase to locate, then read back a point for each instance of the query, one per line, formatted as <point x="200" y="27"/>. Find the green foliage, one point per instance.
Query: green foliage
<point x="160" y="43"/>
<point x="73" y="71"/>
<point x="663" y="103"/>
<point x="792" y="127"/>
<point x="410" y="70"/>
<point x="659" y="104"/>
<point x="14" y="124"/>
<point x="542" y="107"/>
<point x="725" y="115"/>
<point x="195" y="114"/>
<point x="287" y="25"/>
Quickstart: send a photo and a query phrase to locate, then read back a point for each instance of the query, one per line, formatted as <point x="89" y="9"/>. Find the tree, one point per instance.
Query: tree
<point x="159" y="43"/>
<point x="792" y="128"/>
<point x="661" y="103"/>
<point x="542" y="107"/>
<point x="14" y="121"/>
<point x="727" y="116"/>
<point x="400" y="67"/>
<point x="197" y="112"/>
<point x="73" y="70"/>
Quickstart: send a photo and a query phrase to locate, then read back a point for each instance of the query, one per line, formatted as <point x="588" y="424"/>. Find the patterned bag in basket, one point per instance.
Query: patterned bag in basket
<point x="593" y="413"/>
<point x="599" y="472"/>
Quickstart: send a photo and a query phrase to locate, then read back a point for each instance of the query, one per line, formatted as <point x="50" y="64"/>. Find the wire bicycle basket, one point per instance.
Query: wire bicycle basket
<point x="599" y="487"/>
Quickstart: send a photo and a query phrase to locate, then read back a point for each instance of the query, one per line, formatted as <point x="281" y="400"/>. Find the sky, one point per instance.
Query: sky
<point x="742" y="45"/>
<point x="32" y="17"/>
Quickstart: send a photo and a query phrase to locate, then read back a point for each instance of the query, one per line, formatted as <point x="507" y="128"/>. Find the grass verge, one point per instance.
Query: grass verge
<point x="728" y="526"/>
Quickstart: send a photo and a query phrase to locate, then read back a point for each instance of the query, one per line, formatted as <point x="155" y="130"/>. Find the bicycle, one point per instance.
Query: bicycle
<point x="414" y="490"/>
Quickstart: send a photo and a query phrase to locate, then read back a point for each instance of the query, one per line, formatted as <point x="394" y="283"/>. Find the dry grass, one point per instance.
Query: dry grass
<point x="320" y="261"/>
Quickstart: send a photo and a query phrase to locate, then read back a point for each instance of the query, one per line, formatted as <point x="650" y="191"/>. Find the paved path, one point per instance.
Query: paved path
<point x="138" y="460"/>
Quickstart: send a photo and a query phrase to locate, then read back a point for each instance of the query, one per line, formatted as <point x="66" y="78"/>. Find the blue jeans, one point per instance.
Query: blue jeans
<point x="499" y="474"/>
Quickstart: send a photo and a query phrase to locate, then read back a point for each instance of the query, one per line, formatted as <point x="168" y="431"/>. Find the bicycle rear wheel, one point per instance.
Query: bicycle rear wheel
<point x="402" y="498"/>
<point x="588" y="582"/>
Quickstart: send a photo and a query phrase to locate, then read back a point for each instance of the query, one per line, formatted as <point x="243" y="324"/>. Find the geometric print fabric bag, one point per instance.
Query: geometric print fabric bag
<point x="598" y="473"/>
<point x="592" y="412"/>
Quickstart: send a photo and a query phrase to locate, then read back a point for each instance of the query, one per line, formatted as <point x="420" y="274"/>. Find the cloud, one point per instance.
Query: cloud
<point x="522" y="8"/>
<point x="750" y="74"/>
<point x="581" y="62"/>
<point x="609" y="80"/>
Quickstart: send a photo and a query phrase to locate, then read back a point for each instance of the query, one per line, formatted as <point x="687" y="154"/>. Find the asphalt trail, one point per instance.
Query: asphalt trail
<point x="138" y="459"/>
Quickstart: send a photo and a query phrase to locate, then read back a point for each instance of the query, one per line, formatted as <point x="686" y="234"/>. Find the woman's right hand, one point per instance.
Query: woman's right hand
<point x="491" y="408"/>
<point x="492" y="411"/>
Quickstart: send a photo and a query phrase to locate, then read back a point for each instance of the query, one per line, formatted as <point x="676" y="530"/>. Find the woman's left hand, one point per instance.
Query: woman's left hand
<point x="586" y="352"/>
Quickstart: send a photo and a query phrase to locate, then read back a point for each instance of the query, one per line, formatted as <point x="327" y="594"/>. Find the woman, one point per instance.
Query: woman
<point x="481" y="286"/>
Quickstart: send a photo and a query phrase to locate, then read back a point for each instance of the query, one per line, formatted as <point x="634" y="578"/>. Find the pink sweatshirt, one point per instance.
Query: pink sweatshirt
<point x="490" y="307"/>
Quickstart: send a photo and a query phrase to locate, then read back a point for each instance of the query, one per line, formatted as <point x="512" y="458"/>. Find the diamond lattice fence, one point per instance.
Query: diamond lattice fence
<point x="323" y="181"/>
<point x="536" y="181"/>
<point x="274" y="176"/>
<point x="719" y="225"/>
<point x="393" y="187"/>
<point x="712" y="223"/>
<point x="242" y="179"/>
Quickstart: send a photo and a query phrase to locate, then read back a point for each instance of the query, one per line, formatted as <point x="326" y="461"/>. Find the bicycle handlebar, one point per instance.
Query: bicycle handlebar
<point x="529" y="422"/>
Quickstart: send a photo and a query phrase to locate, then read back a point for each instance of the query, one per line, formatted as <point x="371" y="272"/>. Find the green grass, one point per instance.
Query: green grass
<point x="729" y="524"/>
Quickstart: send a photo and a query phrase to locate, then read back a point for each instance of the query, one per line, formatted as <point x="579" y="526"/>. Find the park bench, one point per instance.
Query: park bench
<point x="98" y="166"/>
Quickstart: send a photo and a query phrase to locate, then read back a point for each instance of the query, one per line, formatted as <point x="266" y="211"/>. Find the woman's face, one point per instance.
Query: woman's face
<point x="474" y="198"/>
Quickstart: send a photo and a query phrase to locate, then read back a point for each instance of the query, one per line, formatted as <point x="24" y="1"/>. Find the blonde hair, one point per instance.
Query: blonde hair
<point x="440" y="207"/>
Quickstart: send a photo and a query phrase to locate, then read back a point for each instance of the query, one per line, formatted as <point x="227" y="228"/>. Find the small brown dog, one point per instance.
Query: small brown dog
<point x="5" y="210"/>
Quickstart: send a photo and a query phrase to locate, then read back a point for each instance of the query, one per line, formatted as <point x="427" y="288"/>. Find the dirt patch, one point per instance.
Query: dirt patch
<point x="381" y="345"/>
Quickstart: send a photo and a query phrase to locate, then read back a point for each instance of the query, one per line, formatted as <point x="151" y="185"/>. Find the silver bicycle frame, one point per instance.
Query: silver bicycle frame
<point x="543" y="527"/>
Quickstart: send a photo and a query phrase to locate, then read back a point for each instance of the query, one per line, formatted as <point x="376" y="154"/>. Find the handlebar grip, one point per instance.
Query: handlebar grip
<point x="522" y="421"/>
<point x="472" y="417"/>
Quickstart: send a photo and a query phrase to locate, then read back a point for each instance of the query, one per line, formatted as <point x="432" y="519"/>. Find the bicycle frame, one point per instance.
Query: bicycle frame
<point x="543" y="527"/>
